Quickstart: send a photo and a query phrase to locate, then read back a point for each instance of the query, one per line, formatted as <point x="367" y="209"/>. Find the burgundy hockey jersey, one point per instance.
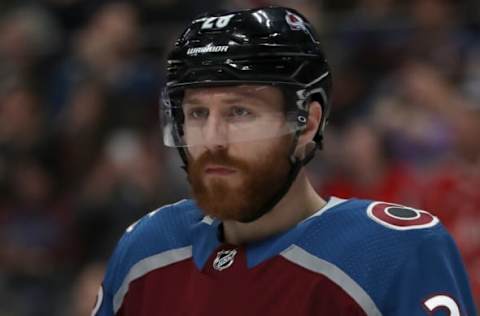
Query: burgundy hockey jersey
<point x="352" y="257"/>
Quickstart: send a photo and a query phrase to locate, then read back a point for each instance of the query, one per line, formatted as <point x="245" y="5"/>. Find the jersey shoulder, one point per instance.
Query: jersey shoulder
<point x="361" y="218"/>
<point x="161" y="230"/>
<point x="371" y="241"/>
<point x="370" y="228"/>
<point x="166" y="226"/>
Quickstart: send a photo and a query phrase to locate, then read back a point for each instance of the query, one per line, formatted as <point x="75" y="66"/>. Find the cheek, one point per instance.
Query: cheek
<point x="195" y="152"/>
<point x="251" y="151"/>
<point x="243" y="151"/>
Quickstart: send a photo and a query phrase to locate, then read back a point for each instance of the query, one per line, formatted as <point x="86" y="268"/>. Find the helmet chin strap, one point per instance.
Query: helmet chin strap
<point x="296" y="165"/>
<point x="183" y="155"/>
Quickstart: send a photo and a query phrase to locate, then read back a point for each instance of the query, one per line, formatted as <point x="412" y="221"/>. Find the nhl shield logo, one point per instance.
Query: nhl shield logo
<point x="224" y="259"/>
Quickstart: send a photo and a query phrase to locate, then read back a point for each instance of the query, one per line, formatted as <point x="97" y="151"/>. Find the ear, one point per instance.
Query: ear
<point x="314" y="119"/>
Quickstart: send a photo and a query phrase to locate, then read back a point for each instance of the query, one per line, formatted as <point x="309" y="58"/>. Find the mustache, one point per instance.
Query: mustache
<point x="218" y="158"/>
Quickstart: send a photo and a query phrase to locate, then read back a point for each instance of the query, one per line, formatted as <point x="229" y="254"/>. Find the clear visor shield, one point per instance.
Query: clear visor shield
<point x="225" y="115"/>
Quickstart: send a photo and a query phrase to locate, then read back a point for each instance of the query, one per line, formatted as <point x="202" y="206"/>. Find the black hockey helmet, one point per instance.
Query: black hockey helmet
<point x="272" y="45"/>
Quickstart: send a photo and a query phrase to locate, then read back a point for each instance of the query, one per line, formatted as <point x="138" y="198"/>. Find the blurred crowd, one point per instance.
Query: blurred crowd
<point x="81" y="153"/>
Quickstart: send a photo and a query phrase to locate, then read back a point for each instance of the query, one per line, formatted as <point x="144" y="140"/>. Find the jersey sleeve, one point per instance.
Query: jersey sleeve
<point x="432" y="281"/>
<point x="104" y="305"/>
<point x="158" y="231"/>
<point x="105" y="296"/>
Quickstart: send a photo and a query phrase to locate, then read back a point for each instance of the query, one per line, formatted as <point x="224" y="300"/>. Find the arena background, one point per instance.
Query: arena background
<point x="81" y="155"/>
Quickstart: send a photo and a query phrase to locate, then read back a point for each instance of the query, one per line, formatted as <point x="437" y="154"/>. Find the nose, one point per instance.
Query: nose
<point x="215" y="132"/>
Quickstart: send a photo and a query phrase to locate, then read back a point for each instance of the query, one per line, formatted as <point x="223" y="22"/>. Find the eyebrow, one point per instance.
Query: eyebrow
<point x="238" y="96"/>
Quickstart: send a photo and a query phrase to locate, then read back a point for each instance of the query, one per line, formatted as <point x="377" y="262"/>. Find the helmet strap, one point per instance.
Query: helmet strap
<point x="183" y="155"/>
<point x="296" y="165"/>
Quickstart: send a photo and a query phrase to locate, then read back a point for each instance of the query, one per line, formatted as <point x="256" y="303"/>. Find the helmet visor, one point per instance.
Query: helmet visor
<point x="223" y="115"/>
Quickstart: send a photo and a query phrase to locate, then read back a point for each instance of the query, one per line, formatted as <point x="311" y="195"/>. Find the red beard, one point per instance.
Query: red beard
<point x="260" y="181"/>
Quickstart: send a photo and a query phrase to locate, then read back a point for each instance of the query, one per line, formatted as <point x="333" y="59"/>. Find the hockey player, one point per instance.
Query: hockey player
<point x="246" y="104"/>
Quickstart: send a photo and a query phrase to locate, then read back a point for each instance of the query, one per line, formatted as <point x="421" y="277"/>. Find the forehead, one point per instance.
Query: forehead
<point x="268" y="96"/>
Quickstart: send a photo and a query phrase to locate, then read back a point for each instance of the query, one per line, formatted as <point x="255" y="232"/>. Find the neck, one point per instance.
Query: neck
<point x="300" y="202"/>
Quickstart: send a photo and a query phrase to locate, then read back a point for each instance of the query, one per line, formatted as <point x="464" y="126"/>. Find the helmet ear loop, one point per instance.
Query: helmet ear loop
<point x="302" y="121"/>
<point x="179" y="119"/>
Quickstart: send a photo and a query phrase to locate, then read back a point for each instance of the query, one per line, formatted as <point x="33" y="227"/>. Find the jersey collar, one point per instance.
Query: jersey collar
<point x="206" y="238"/>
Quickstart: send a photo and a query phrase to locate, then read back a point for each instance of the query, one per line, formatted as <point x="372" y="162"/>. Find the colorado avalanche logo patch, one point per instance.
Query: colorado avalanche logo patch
<point x="224" y="259"/>
<point x="294" y="21"/>
<point x="400" y="217"/>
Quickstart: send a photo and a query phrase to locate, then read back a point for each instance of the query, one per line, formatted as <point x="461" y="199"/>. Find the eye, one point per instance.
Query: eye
<point x="197" y="113"/>
<point x="238" y="111"/>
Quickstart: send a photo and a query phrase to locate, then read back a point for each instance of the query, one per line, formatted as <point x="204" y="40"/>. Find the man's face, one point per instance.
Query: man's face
<point x="238" y="159"/>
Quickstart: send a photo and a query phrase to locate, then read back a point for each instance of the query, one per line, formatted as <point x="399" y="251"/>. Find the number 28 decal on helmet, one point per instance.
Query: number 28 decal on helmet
<point x="400" y="217"/>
